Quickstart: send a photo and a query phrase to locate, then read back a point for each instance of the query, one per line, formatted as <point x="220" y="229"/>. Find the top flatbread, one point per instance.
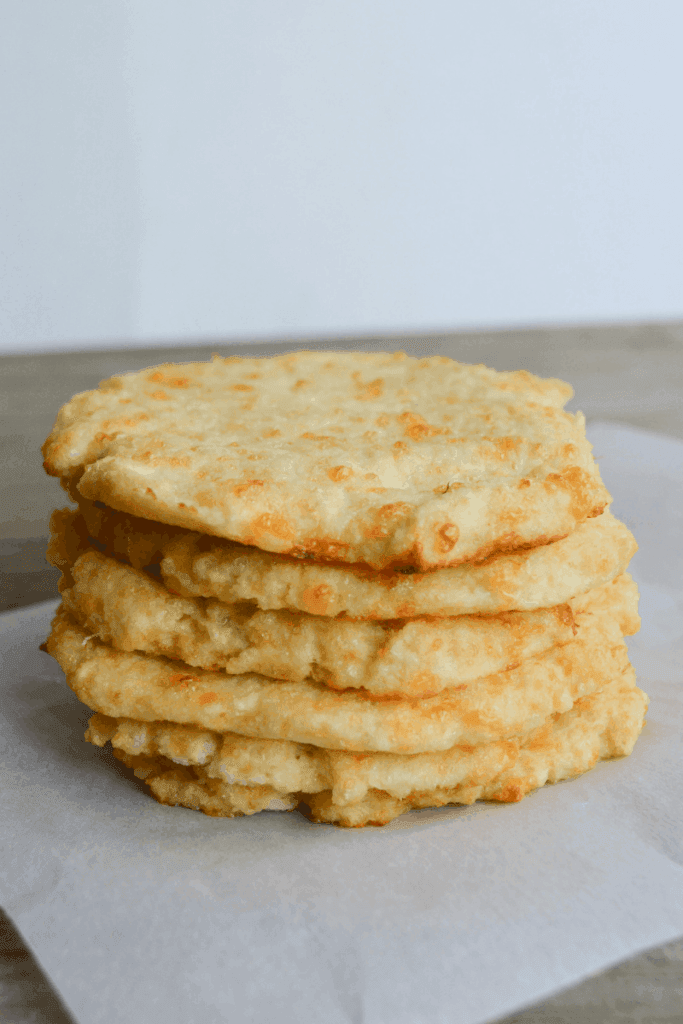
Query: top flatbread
<point x="376" y="459"/>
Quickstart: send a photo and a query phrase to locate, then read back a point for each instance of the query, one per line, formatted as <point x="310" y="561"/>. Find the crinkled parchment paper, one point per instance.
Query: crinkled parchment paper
<point x="139" y="912"/>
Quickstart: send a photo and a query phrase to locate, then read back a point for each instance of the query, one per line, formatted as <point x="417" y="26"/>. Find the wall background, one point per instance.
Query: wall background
<point x="179" y="171"/>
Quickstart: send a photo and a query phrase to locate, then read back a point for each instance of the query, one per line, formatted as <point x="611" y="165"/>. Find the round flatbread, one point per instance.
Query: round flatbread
<point x="376" y="459"/>
<point x="500" y="706"/>
<point x="243" y="776"/>
<point x="194" y="566"/>
<point x="132" y="611"/>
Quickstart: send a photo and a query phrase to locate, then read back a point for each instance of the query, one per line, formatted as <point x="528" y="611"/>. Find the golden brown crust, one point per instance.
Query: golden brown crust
<point x="181" y="786"/>
<point x="150" y="688"/>
<point x="601" y="726"/>
<point x="131" y="611"/>
<point x="355" y="790"/>
<point x="194" y="566"/>
<point x="347" y="582"/>
<point x="374" y="459"/>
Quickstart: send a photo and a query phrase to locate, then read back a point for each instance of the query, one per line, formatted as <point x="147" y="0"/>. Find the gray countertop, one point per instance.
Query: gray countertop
<point x="629" y="374"/>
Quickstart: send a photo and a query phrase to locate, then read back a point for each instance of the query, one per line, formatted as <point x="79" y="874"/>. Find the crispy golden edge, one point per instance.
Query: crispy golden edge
<point x="194" y="566"/>
<point x="293" y="767"/>
<point x="298" y="768"/>
<point x="127" y="609"/>
<point x="151" y="688"/>
<point x="551" y="755"/>
<point x="603" y="725"/>
<point x="521" y="473"/>
<point x="180" y="786"/>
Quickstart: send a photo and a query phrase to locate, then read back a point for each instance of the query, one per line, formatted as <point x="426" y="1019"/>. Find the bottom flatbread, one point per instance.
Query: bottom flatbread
<point x="356" y="790"/>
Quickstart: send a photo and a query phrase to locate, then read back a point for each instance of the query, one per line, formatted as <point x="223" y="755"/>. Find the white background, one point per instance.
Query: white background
<point x="178" y="170"/>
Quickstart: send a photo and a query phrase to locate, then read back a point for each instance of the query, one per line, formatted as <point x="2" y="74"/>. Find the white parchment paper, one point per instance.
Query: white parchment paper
<point x="139" y="912"/>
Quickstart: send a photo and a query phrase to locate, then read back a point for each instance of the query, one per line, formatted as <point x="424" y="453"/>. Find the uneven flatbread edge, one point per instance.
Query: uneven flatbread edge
<point x="199" y="566"/>
<point x="132" y="611"/>
<point x="507" y="704"/>
<point x="431" y="464"/>
<point x="355" y="790"/>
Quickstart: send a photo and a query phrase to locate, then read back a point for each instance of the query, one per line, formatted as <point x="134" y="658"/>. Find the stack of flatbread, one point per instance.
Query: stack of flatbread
<point x="349" y="583"/>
